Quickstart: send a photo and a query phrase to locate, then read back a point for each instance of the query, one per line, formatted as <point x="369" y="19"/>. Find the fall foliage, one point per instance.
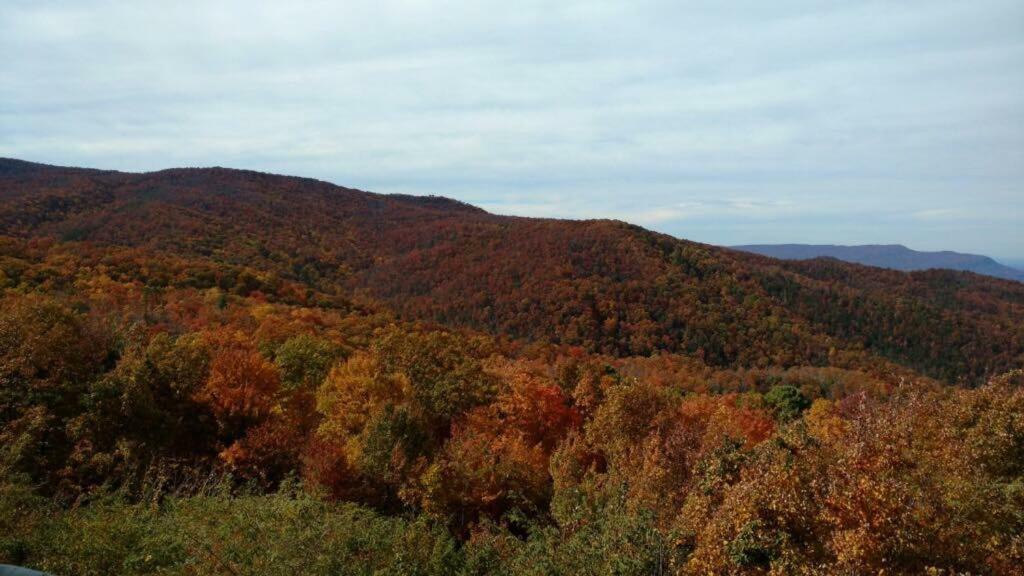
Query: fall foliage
<point x="221" y="372"/>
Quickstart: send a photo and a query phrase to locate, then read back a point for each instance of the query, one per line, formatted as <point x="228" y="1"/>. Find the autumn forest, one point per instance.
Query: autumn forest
<point x="213" y="371"/>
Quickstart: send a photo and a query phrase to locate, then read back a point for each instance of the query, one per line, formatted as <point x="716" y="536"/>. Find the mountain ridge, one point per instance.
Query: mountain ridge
<point x="893" y="256"/>
<point x="607" y="286"/>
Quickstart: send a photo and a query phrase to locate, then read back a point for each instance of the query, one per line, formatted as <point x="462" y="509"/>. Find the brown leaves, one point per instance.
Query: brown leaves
<point x="241" y="386"/>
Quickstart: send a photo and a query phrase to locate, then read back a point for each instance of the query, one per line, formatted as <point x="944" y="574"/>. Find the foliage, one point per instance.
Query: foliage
<point x="606" y="286"/>
<point x="632" y="404"/>
<point x="786" y="402"/>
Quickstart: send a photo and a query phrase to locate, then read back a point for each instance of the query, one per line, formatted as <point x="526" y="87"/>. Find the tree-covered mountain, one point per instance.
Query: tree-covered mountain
<point x="895" y="256"/>
<point x="604" y="285"/>
<point x="607" y="286"/>
<point x="211" y="371"/>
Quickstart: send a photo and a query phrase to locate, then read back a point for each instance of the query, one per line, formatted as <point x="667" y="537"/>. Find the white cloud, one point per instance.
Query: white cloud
<point x="935" y="214"/>
<point x="789" y="120"/>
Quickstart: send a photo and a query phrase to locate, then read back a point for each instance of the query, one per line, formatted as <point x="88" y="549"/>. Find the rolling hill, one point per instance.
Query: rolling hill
<point x="606" y="286"/>
<point x="221" y="372"/>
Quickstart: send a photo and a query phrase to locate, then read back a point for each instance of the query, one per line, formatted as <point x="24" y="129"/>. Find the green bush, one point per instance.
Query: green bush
<point x="218" y="533"/>
<point x="786" y="402"/>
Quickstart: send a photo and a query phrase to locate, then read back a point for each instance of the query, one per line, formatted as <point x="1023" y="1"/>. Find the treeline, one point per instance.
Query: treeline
<point x="263" y="427"/>
<point x="608" y="287"/>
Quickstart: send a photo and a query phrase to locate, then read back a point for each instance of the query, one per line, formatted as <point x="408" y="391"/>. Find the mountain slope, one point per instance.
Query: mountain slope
<point x="893" y="256"/>
<point x="604" y="285"/>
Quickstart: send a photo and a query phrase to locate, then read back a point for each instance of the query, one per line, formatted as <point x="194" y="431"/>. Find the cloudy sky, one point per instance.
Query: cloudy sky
<point x="724" y="122"/>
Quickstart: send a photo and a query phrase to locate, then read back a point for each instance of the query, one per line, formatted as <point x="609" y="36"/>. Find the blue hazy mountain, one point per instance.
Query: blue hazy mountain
<point x="895" y="256"/>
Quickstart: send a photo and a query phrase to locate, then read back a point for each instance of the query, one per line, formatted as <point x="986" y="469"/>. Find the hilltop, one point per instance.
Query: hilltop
<point x="607" y="286"/>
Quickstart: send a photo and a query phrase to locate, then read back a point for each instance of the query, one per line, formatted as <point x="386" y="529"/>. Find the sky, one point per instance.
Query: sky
<point x="722" y="122"/>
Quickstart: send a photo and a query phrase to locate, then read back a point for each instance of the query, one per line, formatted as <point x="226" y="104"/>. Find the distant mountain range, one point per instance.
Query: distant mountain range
<point x="895" y="256"/>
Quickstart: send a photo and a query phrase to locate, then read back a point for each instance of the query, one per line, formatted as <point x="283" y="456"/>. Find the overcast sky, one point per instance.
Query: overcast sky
<point x="723" y="122"/>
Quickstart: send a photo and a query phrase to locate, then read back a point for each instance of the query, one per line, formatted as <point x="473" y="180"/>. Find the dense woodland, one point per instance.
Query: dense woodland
<point x="224" y="372"/>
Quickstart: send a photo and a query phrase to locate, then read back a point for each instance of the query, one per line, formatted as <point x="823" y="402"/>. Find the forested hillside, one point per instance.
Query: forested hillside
<point x="607" y="286"/>
<point x="223" y="372"/>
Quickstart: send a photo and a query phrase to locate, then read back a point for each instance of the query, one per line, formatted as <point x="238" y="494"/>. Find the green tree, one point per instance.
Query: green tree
<point x="786" y="402"/>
